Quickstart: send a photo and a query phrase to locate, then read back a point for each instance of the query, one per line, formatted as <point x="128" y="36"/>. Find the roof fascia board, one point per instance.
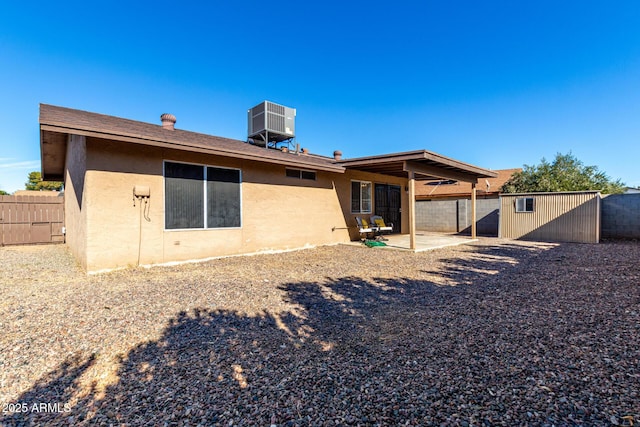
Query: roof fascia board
<point x="459" y="165"/>
<point x="417" y="156"/>
<point x="395" y="157"/>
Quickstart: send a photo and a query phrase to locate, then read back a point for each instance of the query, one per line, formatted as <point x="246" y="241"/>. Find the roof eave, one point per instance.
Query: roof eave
<point x="456" y="169"/>
<point x="53" y="149"/>
<point x="290" y="160"/>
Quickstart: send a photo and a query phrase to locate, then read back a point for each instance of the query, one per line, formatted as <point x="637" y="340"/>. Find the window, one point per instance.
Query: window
<point x="201" y="196"/>
<point x="184" y="196"/>
<point x="524" y="204"/>
<point x="308" y="175"/>
<point x="223" y="198"/>
<point x="360" y="197"/>
<point x="301" y="174"/>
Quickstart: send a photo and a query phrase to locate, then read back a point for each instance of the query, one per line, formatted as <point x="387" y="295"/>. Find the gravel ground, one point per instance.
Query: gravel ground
<point x="492" y="333"/>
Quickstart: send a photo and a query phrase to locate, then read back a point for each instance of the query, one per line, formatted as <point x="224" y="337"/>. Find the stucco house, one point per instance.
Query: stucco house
<point x="143" y="194"/>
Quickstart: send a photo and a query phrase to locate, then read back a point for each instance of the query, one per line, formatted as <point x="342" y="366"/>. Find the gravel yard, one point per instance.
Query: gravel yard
<point x="492" y="333"/>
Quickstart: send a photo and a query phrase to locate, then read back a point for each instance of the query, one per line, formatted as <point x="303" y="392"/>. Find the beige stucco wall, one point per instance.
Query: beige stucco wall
<point x="75" y="219"/>
<point x="278" y="213"/>
<point x="343" y="189"/>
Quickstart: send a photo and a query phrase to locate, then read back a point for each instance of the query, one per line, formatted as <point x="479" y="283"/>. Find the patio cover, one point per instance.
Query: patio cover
<point x="422" y="165"/>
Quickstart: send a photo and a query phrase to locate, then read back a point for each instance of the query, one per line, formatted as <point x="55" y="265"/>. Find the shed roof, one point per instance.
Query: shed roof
<point x="549" y="193"/>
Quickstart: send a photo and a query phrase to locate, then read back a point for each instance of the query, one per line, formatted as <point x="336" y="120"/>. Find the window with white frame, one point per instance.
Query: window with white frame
<point x="525" y="204"/>
<point x="197" y="196"/>
<point x="360" y="197"/>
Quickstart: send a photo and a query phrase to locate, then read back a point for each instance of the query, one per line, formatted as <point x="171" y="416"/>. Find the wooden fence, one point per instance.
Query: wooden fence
<point x="27" y="220"/>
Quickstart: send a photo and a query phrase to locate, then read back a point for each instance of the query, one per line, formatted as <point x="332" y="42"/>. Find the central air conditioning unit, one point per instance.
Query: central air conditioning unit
<point x="270" y="123"/>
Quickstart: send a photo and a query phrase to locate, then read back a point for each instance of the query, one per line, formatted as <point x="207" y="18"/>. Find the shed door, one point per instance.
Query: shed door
<point x="387" y="204"/>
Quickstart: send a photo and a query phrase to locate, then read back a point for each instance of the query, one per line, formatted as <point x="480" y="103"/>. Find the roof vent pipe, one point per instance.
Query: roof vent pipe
<point x="168" y="121"/>
<point x="337" y="155"/>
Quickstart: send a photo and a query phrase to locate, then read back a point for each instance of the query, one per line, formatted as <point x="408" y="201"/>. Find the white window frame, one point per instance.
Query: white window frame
<point x="205" y="199"/>
<point x="521" y="204"/>
<point x="361" y="210"/>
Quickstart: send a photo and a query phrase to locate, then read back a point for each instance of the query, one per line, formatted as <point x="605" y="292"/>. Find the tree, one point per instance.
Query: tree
<point x="3" y="193"/>
<point x="36" y="183"/>
<point x="565" y="173"/>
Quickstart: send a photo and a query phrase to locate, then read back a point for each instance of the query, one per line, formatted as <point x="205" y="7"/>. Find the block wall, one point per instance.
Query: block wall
<point x="620" y="216"/>
<point x="454" y="216"/>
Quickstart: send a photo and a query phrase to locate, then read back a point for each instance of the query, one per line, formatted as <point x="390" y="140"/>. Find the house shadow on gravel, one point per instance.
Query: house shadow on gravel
<point x="358" y="352"/>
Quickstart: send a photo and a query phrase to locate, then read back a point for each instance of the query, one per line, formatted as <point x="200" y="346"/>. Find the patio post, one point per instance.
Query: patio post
<point x="473" y="210"/>
<point x="412" y="210"/>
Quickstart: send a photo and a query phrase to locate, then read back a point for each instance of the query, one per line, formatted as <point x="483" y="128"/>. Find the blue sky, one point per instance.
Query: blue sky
<point x="495" y="84"/>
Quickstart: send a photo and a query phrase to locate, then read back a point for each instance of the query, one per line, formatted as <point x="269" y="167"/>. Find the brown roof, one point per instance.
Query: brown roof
<point x="57" y="122"/>
<point x="426" y="165"/>
<point x="443" y="188"/>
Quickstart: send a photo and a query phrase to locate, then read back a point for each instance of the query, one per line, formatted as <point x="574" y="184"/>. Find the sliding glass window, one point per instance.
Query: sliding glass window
<point x="360" y="197"/>
<point x="201" y="197"/>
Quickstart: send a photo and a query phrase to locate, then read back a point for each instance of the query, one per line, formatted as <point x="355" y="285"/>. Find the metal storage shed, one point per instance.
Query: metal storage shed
<point x="551" y="217"/>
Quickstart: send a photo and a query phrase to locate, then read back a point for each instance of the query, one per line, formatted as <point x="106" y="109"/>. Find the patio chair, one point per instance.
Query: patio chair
<point x="364" y="228"/>
<point x="380" y="225"/>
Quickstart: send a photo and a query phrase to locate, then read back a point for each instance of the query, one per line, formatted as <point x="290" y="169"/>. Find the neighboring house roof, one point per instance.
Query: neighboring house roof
<point x="56" y="123"/>
<point x="631" y="190"/>
<point x="440" y="189"/>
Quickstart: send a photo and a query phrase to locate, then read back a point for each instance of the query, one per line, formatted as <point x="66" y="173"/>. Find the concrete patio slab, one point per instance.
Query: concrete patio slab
<point x="424" y="241"/>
